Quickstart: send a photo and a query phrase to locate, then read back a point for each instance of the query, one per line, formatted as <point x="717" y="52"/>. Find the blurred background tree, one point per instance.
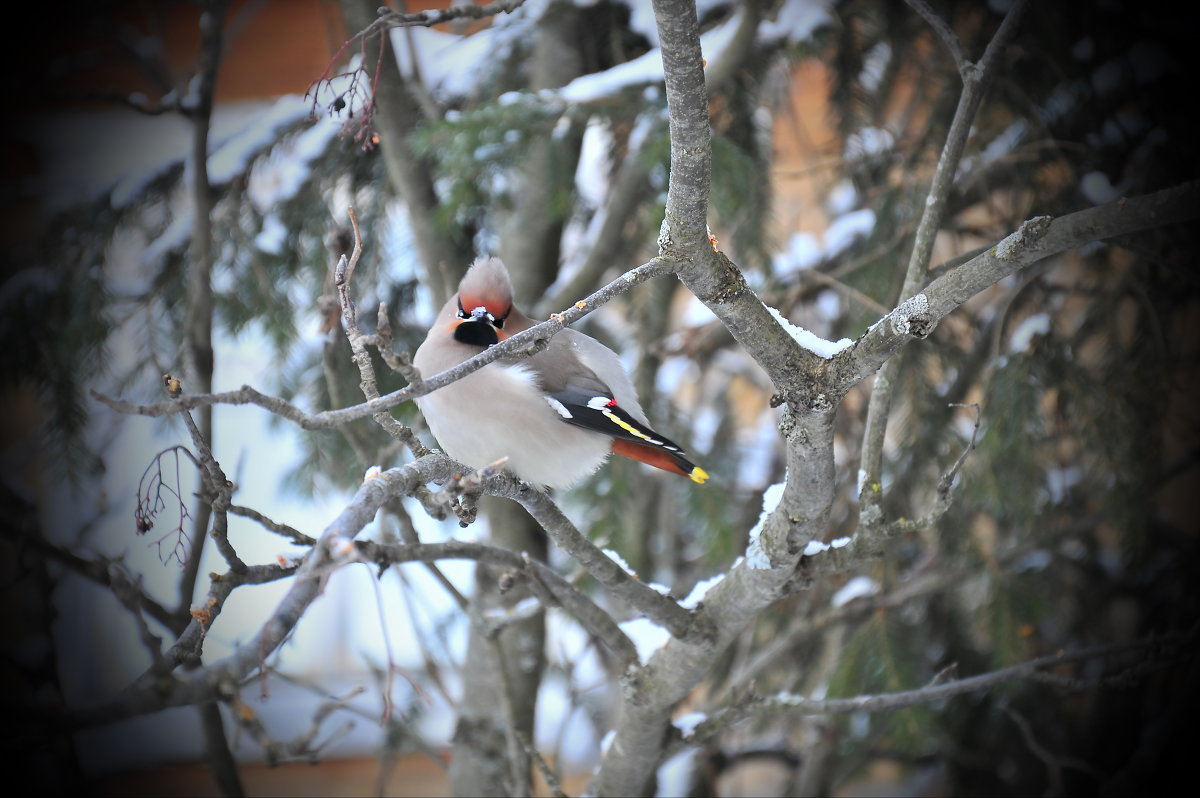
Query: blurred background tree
<point x="541" y="136"/>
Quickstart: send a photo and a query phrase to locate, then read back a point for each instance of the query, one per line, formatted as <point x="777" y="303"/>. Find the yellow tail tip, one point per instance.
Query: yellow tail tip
<point x="698" y="475"/>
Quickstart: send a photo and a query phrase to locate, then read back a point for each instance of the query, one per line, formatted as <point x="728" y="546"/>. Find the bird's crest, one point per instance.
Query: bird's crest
<point x="486" y="285"/>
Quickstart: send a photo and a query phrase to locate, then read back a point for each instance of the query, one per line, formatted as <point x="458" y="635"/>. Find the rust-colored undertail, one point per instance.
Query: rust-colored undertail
<point x="660" y="458"/>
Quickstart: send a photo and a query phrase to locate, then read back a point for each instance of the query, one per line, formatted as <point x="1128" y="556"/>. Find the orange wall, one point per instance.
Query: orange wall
<point x="273" y="47"/>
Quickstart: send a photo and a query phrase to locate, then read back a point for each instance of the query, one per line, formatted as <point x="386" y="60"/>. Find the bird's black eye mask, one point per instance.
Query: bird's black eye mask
<point x="482" y="314"/>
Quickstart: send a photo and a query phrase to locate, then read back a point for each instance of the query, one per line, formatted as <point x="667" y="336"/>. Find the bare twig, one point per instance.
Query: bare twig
<point x="552" y="782"/>
<point x="387" y="647"/>
<point x="219" y="491"/>
<point x="150" y="503"/>
<point x="398" y="362"/>
<point x="935" y="691"/>
<point x="975" y="82"/>
<point x="1037" y="239"/>
<point x="343" y="274"/>
<point x="303" y="746"/>
<point x="805" y="626"/>
<point x="523" y="344"/>
<point x="1054" y="763"/>
<point x="128" y="591"/>
<point x="296" y="536"/>
<point x="97" y="571"/>
<point x="425" y="19"/>
<point x="945" y="32"/>
<point x="155" y="690"/>
<point x="408" y="534"/>
<point x="344" y="703"/>
<point x="594" y="619"/>
<point x="943" y="498"/>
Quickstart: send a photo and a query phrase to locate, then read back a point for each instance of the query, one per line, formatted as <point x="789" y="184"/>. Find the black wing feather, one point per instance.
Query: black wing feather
<point x="600" y="412"/>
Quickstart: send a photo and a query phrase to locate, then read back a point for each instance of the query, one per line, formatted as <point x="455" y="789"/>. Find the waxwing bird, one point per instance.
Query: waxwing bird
<point x="556" y="415"/>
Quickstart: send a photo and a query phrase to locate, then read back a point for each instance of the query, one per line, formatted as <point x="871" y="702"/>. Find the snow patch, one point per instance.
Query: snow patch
<point x="810" y="341"/>
<point x="816" y="547"/>
<point x="687" y="723"/>
<point x="1022" y="336"/>
<point x="700" y="590"/>
<point x="874" y="65"/>
<point x="647" y="636"/>
<point x="902" y="316"/>
<point x="803" y="252"/>
<point x="842" y="197"/>
<point x="619" y="560"/>
<point x="846" y="229"/>
<point x="174" y="238"/>
<point x="233" y="155"/>
<point x="453" y="66"/>
<point x="273" y="235"/>
<point x="794" y="21"/>
<point x="1098" y="188"/>
<point x="867" y="142"/>
<point x="857" y="587"/>
<point x="755" y="556"/>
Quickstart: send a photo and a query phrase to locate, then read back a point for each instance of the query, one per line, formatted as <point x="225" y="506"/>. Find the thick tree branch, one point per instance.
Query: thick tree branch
<point x="686" y="223"/>
<point x="728" y="608"/>
<point x="659" y="608"/>
<point x="1037" y="239"/>
<point x="637" y="748"/>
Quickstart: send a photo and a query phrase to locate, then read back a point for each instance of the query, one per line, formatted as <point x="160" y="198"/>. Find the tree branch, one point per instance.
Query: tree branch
<point x="523" y="344"/>
<point x="936" y="691"/>
<point x="343" y="274"/>
<point x="654" y="605"/>
<point x="594" y="619"/>
<point x="975" y="83"/>
<point x="426" y="19"/>
<point x="217" y="492"/>
<point x="295" y="535"/>
<point x="637" y="748"/>
<point x="95" y="570"/>
<point x="1037" y="239"/>
<point x="395" y="115"/>
<point x="944" y="32"/>
<point x="156" y="691"/>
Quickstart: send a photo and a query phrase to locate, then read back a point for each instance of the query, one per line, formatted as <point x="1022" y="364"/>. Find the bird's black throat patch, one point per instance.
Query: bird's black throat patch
<point x="476" y="333"/>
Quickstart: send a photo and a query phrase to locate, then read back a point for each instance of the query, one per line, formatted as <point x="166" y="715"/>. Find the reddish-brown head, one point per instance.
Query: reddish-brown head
<point x="484" y="303"/>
